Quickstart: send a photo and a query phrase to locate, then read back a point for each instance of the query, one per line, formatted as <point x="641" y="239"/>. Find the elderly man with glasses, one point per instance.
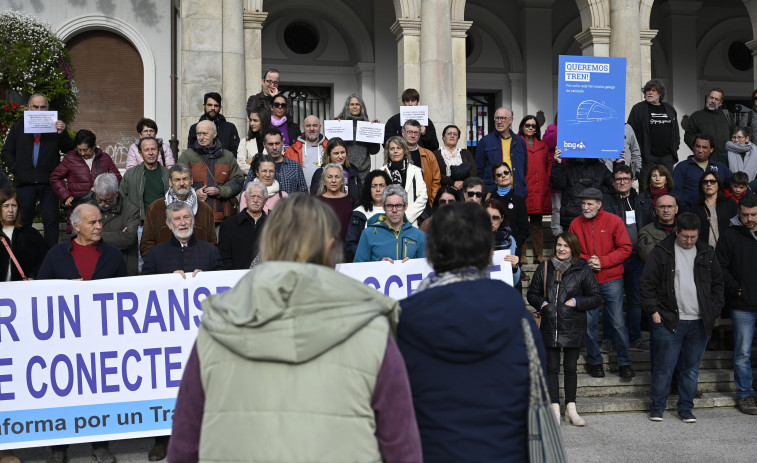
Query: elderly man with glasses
<point x="503" y="145"/>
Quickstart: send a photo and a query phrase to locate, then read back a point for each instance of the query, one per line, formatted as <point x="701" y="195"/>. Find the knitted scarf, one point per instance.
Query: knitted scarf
<point x="656" y="193"/>
<point x="561" y="266"/>
<point x="398" y="172"/>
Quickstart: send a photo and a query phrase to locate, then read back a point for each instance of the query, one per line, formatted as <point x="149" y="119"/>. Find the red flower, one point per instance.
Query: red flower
<point x="7" y="108"/>
<point x="14" y="105"/>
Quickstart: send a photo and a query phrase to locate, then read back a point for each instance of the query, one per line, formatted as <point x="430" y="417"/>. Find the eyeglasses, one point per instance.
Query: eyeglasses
<point x="709" y="181"/>
<point x="275" y="83"/>
<point x="412" y="132"/>
<point x="84" y="150"/>
<point x="495" y="218"/>
<point x="623" y="179"/>
<point x="529" y="126"/>
<point x="279" y="105"/>
<point x="738" y="137"/>
<point x="394" y="207"/>
<point x="446" y="201"/>
<point x="477" y="194"/>
<point x="504" y="173"/>
<point x="500" y="119"/>
<point x="451" y="134"/>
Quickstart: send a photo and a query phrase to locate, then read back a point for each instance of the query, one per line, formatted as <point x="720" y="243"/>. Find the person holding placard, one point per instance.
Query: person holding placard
<point x="358" y="152"/>
<point x="31" y="158"/>
<point x="428" y="140"/>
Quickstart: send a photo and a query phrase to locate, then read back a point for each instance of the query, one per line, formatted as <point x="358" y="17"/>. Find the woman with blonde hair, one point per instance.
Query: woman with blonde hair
<point x="332" y="192"/>
<point x="296" y="359"/>
<point x="399" y="166"/>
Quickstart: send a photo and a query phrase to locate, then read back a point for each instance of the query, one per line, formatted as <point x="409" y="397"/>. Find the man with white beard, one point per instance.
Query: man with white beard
<point x="605" y="245"/>
<point x="183" y="253"/>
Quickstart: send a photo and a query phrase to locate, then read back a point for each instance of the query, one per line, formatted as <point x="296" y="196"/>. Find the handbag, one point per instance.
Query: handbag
<point x="544" y="438"/>
<point x="537" y="315"/>
<point x="13" y="258"/>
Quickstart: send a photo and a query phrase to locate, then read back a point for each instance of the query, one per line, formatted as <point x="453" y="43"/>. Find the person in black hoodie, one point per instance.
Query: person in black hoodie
<point x="573" y="177"/>
<point x="227" y="132"/>
<point x="562" y="300"/>
<point x="463" y="342"/>
<point x="737" y="252"/>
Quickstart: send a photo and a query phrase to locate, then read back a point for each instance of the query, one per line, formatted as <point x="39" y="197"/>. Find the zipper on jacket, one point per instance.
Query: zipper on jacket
<point x="557" y="310"/>
<point x="396" y="244"/>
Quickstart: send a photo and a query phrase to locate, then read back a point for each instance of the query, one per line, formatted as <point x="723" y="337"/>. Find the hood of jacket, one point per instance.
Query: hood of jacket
<point x="736" y="223"/>
<point x="292" y="312"/>
<point x="447" y="323"/>
<point x="301" y="138"/>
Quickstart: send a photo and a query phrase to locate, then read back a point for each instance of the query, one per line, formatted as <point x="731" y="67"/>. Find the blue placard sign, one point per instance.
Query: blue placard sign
<point x="591" y="106"/>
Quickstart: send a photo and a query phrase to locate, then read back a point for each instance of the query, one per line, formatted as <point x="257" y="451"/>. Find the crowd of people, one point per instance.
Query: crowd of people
<point x="678" y="251"/>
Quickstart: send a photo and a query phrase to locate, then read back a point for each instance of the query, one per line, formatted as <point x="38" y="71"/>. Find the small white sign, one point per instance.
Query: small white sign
<point x="419" y="113"/>
<point x="341" y="129"/>
<point x="40" y="121"/>
<point x="370" y="132"/>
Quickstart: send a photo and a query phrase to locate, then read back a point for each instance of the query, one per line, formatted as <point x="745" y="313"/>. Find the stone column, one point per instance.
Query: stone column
<point x="537" y="59"/>
<point x="436" y="61"/>
<point x="234" y="82"/>
<point x="646" y="37"/>
<point x="625" y="42"/>
<point x="459" y="79"/>
<point x="594" y="41"/>
<point x="366" y="87"/>
<point x="682" y="56"/>
<point x="517" y="95"/>
<point x="752" y="45"/>
<point x="253" y="31"/>
<point x="408" y="34"/>
<point x="201" y="59"/>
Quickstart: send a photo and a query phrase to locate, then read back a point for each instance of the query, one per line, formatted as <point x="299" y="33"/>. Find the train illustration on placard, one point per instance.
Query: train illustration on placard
<point x="594" y="111"/>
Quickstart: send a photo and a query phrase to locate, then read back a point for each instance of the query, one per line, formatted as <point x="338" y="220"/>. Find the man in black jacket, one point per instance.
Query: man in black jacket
<point x="655" y="124"/>
<point x="31" y="158"/>
<point x="183" y="253"/>
<point x="269" y="89"/>
<point x="682" y="290"/>
<point x="227" y="132"/>
<point x="713" y="119"/>
<point x="737" y="254"/>
<point x="622" y="202"/>
<point x="239" y="234"/>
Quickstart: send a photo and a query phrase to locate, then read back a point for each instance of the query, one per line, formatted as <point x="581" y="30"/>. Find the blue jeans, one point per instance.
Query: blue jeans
<point x="612" y="292"/>
<point x="687" y="343"/>
<point x="743" y="333"/>
<point x="48" y="209"/>
<point x="632" y="268"/>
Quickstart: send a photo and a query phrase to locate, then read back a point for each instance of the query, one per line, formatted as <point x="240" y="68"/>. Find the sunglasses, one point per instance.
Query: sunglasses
<point x="710" y="181"/>
<point x="446" y="201"/>
<point x="279" y="105"/>
<point x="504" y="173"/>
<point x="477" y="194"/>
<point x="529" y="126"/>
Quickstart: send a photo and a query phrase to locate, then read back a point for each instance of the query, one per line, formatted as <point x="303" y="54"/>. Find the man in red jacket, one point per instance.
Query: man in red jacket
<point x="605" y="245"/>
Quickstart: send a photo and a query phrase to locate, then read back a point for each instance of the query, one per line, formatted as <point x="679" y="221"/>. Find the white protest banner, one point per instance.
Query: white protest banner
<point x="85" y="361"/>
<point x="370" y="132"/>
<point x="341" y="129"/>
<point x="40" y="121"/>
<point x="419" y="113"/>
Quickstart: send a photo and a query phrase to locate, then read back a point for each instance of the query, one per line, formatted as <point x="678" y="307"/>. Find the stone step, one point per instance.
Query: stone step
<point x="715" y="380"/>
<point x="721" y="359"/>
<point x="636" y="403"/>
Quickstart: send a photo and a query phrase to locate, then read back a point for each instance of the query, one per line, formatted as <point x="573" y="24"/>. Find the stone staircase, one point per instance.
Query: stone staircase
<point x="615" y="394"/>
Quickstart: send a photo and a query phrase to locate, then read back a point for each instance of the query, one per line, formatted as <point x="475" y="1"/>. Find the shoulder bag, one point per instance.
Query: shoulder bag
<point x="13" y="258"/>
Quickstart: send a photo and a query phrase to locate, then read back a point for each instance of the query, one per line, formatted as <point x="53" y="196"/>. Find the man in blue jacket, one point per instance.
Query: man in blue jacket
<point x="687" y="173"/>
<point x="389" y="236"/>
<point x="503" y="145"/>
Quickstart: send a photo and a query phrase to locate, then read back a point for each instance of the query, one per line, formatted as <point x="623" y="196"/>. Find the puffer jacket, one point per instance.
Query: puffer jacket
<point x="573" y="177"/>
<point x="78" y="177"/>
<point x="737" y="252"/>
<point x="562" y="325"/>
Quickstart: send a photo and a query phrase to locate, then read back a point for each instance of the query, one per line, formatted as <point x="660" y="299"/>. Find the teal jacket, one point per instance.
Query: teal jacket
<point x="379" y="240"/>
